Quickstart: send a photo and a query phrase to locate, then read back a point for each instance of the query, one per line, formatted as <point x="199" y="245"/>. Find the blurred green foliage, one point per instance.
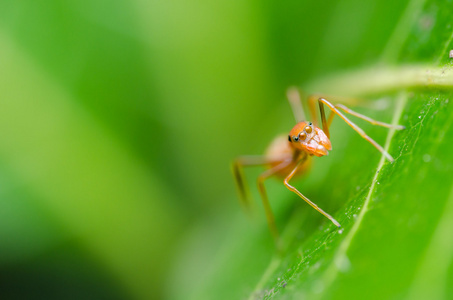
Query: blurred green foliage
<point x="118" y="121"/>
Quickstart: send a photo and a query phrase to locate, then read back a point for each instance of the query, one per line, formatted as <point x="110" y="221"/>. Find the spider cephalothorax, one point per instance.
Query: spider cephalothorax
<point x="307" y="137"/>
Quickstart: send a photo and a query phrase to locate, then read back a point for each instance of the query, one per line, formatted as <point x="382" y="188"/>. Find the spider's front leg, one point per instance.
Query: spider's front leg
<point x="335" y="111"/>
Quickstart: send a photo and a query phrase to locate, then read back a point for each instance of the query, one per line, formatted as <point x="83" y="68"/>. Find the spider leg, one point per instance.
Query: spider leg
<point x="365" y="118"/>
<point x="312" y="107"/>
<point x="238" y="165"/>
<point x="262" y="190"/>
<point x="293" y="189"/>
<point x="336" y="111"/>
<point x="293" y="96"/>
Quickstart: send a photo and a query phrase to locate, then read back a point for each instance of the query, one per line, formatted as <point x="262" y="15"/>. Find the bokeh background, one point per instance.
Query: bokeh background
<point x="119" y="120"/>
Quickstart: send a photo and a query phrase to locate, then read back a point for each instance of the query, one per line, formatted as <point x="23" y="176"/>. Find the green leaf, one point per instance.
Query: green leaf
<point x="118" y="120"/>
<point x="396" y="236"/>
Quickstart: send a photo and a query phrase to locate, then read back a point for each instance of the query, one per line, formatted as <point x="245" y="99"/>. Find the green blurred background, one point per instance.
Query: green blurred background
<point x="119" y="119"/>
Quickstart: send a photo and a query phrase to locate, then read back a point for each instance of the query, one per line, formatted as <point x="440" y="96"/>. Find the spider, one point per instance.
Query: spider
<point x="289" y="156"/>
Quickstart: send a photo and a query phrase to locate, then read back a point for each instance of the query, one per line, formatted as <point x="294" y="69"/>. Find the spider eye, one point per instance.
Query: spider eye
<point x="295" y="138"/>
<point x="308" y="129"/>
<point x="302" y="136"/>
<point x="289" y="138"/>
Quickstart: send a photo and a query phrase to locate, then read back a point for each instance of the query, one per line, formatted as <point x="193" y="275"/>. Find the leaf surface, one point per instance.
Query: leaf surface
<point x="396" y="216"/>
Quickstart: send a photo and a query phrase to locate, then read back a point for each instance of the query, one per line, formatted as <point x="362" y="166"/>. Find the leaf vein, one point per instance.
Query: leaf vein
<point x="339" y="257"/>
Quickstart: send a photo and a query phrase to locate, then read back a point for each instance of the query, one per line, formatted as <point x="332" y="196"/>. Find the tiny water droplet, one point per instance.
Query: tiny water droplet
<point x="340" y="231"/>
<point x="278" y="278"/>
<point x="378" y="182"/>
<point x="343" y="263"/>
<point x="354" y="215"/>
<point x="419" y="117"/>
<point x="318" y="287"/>
<point x="426" y="158"/>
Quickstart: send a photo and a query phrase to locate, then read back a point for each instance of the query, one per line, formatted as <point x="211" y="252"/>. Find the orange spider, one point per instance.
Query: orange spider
<point x="290" y="155"/>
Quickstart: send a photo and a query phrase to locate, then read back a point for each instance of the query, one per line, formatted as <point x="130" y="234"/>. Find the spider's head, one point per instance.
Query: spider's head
<point x="308" y="138"/>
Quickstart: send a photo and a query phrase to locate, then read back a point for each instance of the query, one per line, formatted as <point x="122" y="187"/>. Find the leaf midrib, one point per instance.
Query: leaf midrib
<point x="340" y="256"/>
